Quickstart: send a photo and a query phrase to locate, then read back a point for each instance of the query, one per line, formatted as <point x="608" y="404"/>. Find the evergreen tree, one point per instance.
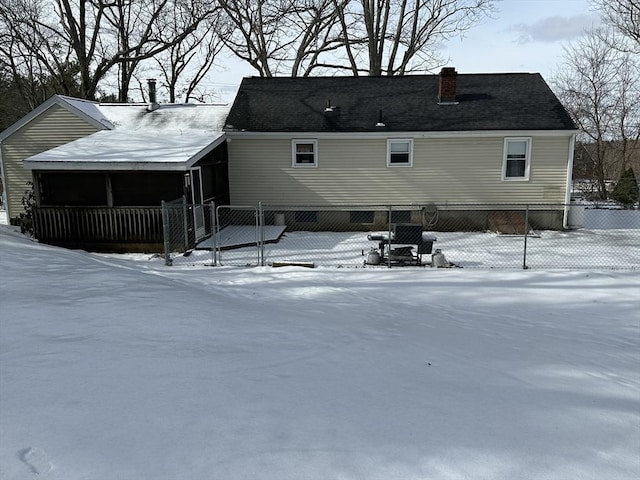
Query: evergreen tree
<point x="626" y="190"/>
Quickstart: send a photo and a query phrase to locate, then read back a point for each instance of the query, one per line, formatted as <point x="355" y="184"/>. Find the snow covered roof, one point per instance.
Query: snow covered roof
<point x="124" y="150"/>
<point x="184" y="116"/>
<point x="171" y="137"/>
<point x="88" y="108"/>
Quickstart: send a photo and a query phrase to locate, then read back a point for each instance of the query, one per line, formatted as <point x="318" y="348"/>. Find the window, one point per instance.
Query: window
<point x="399" y="153"/>
<point x="517" y="157"/>
<point x="361" y="216"/>
<point x="305" y="153"/>
<point x="400" y="216"/>
<point x="306" y="216"/>
<point x="73" y="188"/>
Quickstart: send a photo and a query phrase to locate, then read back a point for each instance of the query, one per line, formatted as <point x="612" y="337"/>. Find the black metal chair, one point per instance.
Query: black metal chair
<point x="405" y="234"/>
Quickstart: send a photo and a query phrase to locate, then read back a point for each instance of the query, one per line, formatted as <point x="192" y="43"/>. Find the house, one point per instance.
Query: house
<point x="469" y="146"/>
<point x="462" y="142"/>
<point x="594" y="171"/>
<point x="57" y="121"/>
<point x="111" y="166"/>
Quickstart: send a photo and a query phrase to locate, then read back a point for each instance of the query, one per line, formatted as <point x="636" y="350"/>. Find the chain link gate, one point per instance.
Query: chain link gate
<point x="237" y="238"/>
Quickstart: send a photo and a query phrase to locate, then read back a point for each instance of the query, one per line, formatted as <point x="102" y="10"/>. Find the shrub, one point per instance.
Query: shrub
<point x="626" y="190"/>
<point x="25" y="219"/>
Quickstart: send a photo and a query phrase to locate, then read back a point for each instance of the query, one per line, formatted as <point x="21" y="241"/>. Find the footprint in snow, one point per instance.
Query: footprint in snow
<point x="36" y="459"/>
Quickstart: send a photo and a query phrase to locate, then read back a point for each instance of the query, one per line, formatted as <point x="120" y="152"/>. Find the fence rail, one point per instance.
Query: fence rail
<point x="87" y="225"/>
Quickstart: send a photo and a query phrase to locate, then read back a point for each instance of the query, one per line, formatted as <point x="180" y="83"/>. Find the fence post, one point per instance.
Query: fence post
<point x="165" y="234"/>
<point x="261" y="232"/>
<point x="214" y="233"/>
<point x="389" y="233"/>
<point x="214" y="236"/>
<point x="185" y="223"/>
<point x="526" y="236"/>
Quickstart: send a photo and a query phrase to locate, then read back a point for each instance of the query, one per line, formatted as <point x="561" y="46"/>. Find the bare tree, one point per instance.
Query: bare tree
<point x="321" y="34"/>
<point x="624" y="17"/>
<point x="396" y="37"/>
<point x="186" y="63"/>
<point x="599" y="86"/>
<point x="282" y="36"/>
<point x="93" y="36"/>
<point x="30" y="55"/>
<point x="628" y="126"/>
<point x="123" y="33"/>
<point x="377" y="37"/>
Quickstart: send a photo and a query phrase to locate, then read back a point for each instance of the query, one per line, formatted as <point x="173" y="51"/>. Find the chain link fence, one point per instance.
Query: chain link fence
<point x="408" y="236"/>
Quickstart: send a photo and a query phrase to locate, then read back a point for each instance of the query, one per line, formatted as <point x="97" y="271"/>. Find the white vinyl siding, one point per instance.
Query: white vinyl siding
<point x="53" y="127"/>
<point x="354" y="172"/>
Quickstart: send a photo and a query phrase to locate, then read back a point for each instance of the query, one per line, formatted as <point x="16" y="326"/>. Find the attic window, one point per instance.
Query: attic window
<point x="304" y="153"/>
<point x="399" y="153"/>
<point x="516" y="159"/>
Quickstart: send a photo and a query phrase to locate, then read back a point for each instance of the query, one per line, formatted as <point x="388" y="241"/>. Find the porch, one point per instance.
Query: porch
<point x="113" y="229"/>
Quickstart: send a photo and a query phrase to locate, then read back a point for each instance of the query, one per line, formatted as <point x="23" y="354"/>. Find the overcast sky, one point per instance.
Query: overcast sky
<point x="521" y="36"/>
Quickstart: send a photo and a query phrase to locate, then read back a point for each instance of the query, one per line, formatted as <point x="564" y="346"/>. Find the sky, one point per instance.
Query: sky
<point x="520" y="36"/>
<point x="523" y="36"/>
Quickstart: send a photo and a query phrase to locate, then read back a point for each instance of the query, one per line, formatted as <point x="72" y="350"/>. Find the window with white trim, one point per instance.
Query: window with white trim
<point x="304" y="153"/>
<point x="399" y="152"/>
<point x="516" y="159"/>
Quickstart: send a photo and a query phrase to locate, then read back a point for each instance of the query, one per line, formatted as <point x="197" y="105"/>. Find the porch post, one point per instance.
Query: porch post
<point x="109" y="190"/>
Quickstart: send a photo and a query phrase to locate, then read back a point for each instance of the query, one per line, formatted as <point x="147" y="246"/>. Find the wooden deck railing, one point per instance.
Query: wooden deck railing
<point x="87" y="225"/>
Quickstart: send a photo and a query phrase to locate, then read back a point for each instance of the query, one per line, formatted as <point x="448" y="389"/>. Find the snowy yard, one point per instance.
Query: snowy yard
<point x="114" y="368"/>
<point x="550" y="249"/>
<point x="609" y="239"/>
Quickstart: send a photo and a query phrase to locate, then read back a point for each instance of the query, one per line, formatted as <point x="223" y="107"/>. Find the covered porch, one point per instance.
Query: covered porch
<point x="97" y="196"/>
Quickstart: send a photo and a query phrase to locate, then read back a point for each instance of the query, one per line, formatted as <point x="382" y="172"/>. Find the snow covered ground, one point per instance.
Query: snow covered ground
<point x="608" y="248"/>
<point x="116" y="369"/>
<point x="609" y="239"/>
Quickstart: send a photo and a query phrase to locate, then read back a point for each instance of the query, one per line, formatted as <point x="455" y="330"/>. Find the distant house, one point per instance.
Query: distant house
<point x="93" y="156"/>
<point x="447" y="139"/>
<point x="598" y="168"/>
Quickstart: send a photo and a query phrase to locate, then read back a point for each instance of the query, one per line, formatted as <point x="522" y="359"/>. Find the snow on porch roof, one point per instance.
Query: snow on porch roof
<point x="171" y="137"/>
<point x="125" y="150"/>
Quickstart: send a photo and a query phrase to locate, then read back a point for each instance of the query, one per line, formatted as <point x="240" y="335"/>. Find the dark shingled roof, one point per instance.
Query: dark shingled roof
<point x="505" y="101"/>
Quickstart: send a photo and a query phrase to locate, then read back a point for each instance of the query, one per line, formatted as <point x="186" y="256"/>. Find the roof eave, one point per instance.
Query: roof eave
<point x="107" y="166"/>
<point x="411" y="134"/>
<point x="125" y="166"/>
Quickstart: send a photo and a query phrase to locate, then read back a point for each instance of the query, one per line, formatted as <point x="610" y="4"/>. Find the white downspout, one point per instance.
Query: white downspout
<point x="567" y="199"/>
<point x="5" y="205"/>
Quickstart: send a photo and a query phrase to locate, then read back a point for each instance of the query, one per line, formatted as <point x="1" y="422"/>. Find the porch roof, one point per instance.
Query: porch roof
<point x="125" y="150"/>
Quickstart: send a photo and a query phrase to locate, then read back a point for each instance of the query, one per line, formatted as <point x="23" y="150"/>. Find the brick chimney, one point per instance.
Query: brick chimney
<point x="447" y="85"/>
